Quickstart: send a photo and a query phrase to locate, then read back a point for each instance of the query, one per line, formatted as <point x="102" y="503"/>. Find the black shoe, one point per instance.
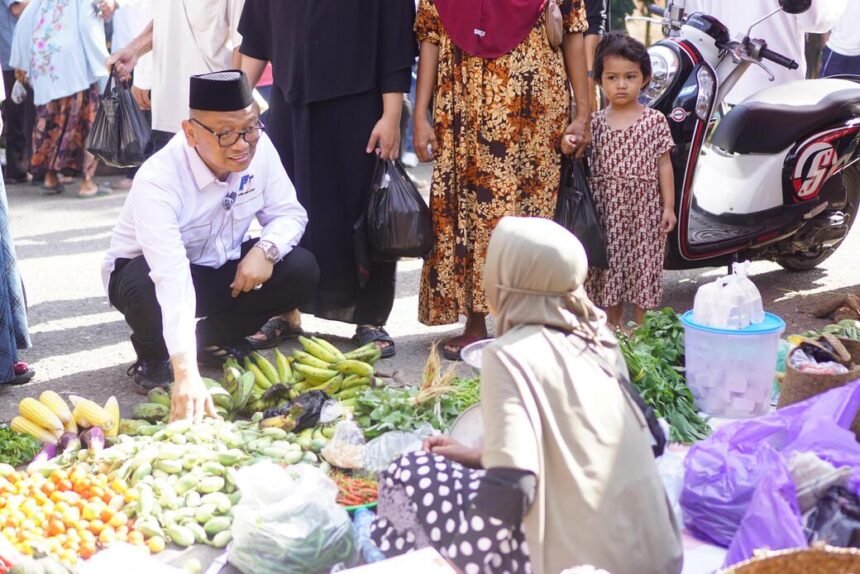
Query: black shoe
<point x="149" y="374"/>
<point x="215" y="355"/>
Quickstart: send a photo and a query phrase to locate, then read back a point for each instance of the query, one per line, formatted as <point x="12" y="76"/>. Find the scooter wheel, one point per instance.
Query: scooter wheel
<point x="803" y="262"/>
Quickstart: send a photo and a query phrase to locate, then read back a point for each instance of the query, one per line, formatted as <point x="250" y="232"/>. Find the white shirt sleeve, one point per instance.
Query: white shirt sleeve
<point x="158" y="234"/>
<point x="234" y="14"/>
<point x="821" y="16"/>
<point x="283" y="218"/>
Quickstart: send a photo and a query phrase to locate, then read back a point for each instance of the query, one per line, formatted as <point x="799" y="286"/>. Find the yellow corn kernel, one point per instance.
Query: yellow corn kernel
<point x="71" y="425"/>
<point x="57" y="405"/>
<point x="112" y="409"/>
<point x="89" y="414"/>
<point x="23" y="425"/>
<point x="39" y="414"/>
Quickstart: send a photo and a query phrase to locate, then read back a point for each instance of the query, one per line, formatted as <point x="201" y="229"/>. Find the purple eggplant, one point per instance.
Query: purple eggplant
<point x="94" y="440"/>
<point x="48" y="452"/>
<point x="69" y="442"/>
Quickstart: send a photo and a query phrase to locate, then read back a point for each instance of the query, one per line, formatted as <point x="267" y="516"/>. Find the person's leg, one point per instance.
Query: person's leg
<point x="132" y="293"/>
<point x="18" y="129"/>
<point x="475" y="330"/>
<point x="639" y="315"/>
<point x="228" y="320"/>
<point x="159" y="139"/>
<point x="835" y="64"/>
<point x="615" y="314"/>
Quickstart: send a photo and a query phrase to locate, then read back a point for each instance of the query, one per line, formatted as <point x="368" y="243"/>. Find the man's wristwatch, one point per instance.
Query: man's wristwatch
<point x="270" y="249"/>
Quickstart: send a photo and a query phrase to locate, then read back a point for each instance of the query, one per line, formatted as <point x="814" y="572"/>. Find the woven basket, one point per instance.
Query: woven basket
<point x="822" y="560"/>
<point x="798" y="386"/>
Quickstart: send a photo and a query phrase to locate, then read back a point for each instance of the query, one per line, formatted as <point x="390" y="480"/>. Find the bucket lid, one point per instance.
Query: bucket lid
<point x="771" y="324"/>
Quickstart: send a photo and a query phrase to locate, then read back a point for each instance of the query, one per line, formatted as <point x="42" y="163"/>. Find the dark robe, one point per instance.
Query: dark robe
<point x="331" y="62"/>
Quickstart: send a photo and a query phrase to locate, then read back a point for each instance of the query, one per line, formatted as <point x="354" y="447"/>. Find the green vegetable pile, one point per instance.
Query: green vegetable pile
<point x="654" y="353"/>
<point x="17" y="448"/>
<point x="846" y="329"/>
<point x="384" y="409"/>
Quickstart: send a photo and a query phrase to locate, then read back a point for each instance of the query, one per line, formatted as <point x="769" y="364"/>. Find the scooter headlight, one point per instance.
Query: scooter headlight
<point x="705" y="78"/>
<point x="664" y="69"/>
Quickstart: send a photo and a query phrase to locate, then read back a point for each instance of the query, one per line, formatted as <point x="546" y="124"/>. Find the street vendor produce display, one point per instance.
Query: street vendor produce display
<point x="654" y="353"/>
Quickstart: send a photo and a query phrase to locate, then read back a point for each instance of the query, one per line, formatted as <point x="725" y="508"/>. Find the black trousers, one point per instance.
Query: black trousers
<point x="225" y="319"/>
<point x="18" y="120"/>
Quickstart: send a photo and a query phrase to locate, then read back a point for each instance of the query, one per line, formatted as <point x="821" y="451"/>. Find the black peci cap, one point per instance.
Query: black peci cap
<point x="225" y="91"/>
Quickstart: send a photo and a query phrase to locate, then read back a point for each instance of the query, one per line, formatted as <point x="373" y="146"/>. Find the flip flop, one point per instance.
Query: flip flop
<point x="53" y="190"/>
<point x="100" y="191"/>
<point x="365" y="334"/>
<point x="454" y="346"/>
<point x="276" y="330"/>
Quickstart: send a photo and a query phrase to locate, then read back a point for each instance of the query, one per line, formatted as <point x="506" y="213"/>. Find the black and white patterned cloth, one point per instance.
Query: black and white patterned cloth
<point x="426" y="500"/>
<point x="13" y="318"/>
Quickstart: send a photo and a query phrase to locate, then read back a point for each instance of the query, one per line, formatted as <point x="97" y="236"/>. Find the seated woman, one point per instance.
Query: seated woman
<point x="566" y="476"/>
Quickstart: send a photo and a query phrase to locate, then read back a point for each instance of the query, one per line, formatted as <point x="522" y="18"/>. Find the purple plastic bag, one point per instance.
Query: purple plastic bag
<point x="773" y="519"/>
<point x="723" y="471"/>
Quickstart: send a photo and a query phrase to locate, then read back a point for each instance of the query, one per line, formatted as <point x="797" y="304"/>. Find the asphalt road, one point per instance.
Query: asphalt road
<point x="80" y="344"/>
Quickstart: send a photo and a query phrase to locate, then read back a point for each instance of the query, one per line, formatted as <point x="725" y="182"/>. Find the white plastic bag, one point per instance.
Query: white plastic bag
<point x="346" y="448"/>
<point x="19" y="93"/>
<point x="730" y="302"/>
<point x="388" y="447"/>
<point x="288" y="521"/>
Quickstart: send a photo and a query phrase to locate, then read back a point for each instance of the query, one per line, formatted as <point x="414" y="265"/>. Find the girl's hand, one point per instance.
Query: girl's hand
<point x="386" y="137"/>
<point x="576" y="137"/>
<point x="424" y="139"/>
<point x="668" y="220"/>
<point x="453" y="450"/>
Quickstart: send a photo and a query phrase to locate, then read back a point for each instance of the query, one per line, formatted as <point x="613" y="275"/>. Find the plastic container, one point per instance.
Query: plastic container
<point x="730" y="371"/>
<point x="361" y="520"/>
<point x="471" y="354"/>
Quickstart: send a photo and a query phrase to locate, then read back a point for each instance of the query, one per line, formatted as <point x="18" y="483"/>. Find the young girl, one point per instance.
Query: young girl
<point x="631" y="182"/>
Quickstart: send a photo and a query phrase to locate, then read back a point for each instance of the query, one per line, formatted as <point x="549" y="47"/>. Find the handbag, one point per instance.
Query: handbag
<point x="575" y="212"/>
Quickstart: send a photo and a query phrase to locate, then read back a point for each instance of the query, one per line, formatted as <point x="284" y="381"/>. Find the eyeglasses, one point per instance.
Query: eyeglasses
<point x="227" y="139"/>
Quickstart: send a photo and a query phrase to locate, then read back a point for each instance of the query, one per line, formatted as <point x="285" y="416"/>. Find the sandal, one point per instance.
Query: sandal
<point x="53" y="190"/>
<point x="365" y="334"/>
<point x="23" y="374"/>
<point x="454" y="346"/>
<point x="100" y="191"/>
<point x="215" y="355"/>
<point x="275" y="330"/>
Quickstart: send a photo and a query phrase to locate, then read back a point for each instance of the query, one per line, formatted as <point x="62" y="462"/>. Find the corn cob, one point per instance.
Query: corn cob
<point x="71" y="426"/>
<point x="37" y="413"/>
<point x="57" y="405"/>
<point x="89" y="414"/>
<point x="112" y="408"/>
<point x="23" y="425"/>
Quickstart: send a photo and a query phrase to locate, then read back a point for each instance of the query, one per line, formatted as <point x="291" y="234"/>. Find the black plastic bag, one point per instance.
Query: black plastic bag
<point x="398" y="220"/>
<point x="836" y="519"/>
<point x="312" y="404"/>
<point x="575" y="212"/>
<point x="120" y="133"/>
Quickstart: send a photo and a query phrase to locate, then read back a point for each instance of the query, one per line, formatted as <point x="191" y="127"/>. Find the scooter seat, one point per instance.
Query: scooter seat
<point x="773" y="119"/>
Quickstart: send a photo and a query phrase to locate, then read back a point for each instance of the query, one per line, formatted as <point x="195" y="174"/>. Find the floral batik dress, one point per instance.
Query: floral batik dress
<point x="498" y="125"/>
<point x="625" y="186"/>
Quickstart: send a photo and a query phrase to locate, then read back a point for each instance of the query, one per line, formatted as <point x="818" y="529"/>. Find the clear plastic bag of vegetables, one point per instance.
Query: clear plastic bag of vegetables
<point x="288" y="521"/>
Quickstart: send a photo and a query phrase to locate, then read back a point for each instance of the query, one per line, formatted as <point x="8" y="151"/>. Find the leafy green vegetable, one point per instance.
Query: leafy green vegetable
<point x="16" y="448"/>
<point x="654" y="353"/>
<point x="847" y="329"/>
<point x="386" y="409"/>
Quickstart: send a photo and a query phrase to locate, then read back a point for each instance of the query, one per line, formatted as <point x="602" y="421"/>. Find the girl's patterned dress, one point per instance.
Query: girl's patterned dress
<point x="499" y="125"/>
<point x="626" y="190"/>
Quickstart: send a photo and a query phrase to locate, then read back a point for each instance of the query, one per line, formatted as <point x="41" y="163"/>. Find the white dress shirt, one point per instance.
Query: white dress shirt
<point x="175" y="216"/>
<point x="189" y="37"/>
<point x="784" y="33"/>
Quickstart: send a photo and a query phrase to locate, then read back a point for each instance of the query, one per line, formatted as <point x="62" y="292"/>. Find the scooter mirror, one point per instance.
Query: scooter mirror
<point x="795" y="6"/>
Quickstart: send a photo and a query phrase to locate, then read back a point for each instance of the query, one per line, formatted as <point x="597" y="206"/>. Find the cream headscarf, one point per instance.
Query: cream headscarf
<point x="552" y="406"/>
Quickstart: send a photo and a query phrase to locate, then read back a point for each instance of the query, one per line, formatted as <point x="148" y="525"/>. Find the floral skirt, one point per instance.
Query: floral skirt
<point x="61" y="129"/>
<point x="424" y="500"/>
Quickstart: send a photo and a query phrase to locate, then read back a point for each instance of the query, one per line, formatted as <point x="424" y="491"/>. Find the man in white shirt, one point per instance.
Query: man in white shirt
<point x="178" y="253"/>
<point x="784" y="33"/>
<point x="842" y="54"/>
<point x="186" y="37"/>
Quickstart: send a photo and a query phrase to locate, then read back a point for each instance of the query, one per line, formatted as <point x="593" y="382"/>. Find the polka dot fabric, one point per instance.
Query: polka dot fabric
<point x="439" y="495"/>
